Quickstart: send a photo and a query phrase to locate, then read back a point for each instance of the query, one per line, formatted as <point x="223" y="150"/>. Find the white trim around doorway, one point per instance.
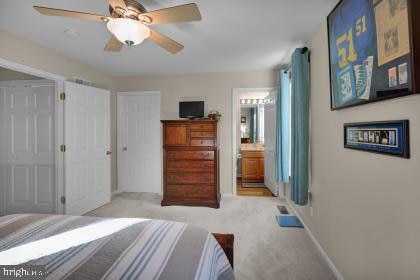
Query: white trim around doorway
<point x="236" y="94"/>
<point x="59" y="127"/>
<point x="119" y="132"/>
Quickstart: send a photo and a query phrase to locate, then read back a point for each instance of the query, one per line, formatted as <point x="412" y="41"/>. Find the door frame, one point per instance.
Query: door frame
<point x="58" y="127"/>
<point x="236" y="95"/>
<point x="120" y="95"/>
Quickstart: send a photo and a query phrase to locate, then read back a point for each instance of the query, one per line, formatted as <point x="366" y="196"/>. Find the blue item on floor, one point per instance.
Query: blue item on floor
<point x="289" y="221"/>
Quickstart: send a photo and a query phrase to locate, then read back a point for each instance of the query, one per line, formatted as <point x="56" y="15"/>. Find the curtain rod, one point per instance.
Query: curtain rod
<point x="303" y="51"/>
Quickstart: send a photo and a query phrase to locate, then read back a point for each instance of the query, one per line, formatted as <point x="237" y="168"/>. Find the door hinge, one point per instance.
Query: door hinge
<point x="62" y="96"/>
<point x="63" y="148"/>
<point x="63" y="200"/>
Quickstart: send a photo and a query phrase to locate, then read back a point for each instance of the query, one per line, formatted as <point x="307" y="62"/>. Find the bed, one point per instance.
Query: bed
<point x="74" y="247"/>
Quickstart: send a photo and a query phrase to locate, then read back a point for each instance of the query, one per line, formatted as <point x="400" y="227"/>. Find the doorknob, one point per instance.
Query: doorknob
<point x="124" y="149"/>
<point x="108" y="152"/>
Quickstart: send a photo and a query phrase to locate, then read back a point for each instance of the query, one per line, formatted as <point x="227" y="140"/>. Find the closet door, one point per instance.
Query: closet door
<point x="87" y="156"/>
<point x="29" y="153"/>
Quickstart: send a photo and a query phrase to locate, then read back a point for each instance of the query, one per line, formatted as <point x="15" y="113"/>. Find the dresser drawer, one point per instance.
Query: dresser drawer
<point x="176" y="135"/>
<point x="202" y="126"/>
<point x="202" y="142"/>
<point x="190" y="191"/>
<point x="189" y="166"/>
<point x="206" y="155"/>
<point x="189" y="178"/>
<point x="202" y="134"/>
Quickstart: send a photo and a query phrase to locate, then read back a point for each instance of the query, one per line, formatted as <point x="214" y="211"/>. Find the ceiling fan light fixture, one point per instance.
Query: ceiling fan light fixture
<point x="128" y="31"/>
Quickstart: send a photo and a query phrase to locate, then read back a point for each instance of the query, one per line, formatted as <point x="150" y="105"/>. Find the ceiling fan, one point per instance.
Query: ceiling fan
<point x="129" y="22"/>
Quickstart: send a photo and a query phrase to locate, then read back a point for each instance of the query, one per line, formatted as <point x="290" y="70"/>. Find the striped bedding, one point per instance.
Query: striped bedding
<point x="73" y="247"/>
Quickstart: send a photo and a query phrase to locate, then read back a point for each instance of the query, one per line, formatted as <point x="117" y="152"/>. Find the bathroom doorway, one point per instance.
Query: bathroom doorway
<point x="251" y="165"/>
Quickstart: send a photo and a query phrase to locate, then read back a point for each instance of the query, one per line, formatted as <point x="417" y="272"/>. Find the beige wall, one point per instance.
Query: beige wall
<point x="215" y="89"/>
<point x="17" y="49"/>
<point x="10" y="75"/>
<point x="366" y="206"/>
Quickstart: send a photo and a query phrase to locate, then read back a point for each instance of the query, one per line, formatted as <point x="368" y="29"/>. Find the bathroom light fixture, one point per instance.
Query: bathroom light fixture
<point x="255" y="101"/>
<point x="127" y="31"/>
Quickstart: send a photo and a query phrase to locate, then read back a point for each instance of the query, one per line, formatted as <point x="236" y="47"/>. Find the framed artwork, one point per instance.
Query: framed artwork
<point x="388" y="137"/>
<point x="373" y="51"/>
<point x="243" y="119"/>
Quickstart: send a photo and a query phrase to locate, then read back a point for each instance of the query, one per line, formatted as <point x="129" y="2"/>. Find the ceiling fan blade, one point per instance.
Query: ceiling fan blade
<point x="183" y="13"/>
<point x="65" y="13"/>
<point x="113" y="45"/>
<point x="118" y="4"/>
<point x="165" y="42"/>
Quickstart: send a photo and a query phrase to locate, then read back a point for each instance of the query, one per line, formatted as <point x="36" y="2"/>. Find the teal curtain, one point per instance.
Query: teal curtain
<point x="283" y="128"/>
<point x="300" y="127"/>
<point x="256" y="125"/>
<point x="253" y="125"/>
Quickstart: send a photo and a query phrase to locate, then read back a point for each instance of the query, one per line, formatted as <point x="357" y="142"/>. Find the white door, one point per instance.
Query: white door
<point x="139" y="145"/>
<point x="270" y="143"/>
<point x="87" y="156"/>
<point x="28" y="163"/>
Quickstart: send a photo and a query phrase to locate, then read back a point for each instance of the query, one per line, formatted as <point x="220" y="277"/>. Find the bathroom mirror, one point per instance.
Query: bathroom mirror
<point x="252" y="123"/>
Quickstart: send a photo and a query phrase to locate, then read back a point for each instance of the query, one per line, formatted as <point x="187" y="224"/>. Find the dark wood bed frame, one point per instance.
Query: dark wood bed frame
<point x="226" y="242"/>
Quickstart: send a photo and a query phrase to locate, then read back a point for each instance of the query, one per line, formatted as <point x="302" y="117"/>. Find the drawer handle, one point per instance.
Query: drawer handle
<point x="207" y="155"/>
<point x="202" y="142"/>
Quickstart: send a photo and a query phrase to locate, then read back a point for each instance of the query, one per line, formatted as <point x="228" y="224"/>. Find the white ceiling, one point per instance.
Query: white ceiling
<point x="234" y="35"/>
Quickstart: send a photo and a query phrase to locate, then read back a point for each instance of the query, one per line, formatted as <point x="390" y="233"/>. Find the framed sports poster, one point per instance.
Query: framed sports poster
<point x="387" y="137"/>
<point x="372" y="51"/>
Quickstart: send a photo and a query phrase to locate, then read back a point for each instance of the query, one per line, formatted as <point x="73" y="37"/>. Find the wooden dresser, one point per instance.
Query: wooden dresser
<point x="190" y="163"/>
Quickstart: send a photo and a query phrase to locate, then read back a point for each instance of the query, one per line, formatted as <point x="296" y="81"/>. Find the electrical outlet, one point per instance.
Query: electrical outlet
<point x="311" y="211"/>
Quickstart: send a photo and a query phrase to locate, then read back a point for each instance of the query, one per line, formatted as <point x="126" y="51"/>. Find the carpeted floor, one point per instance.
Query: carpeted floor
<point x="263" y="250"/>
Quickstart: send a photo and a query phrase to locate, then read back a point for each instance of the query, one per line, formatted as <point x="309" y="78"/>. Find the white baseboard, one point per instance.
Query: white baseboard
<point x="114" y="193"/>
<point x="119" y="191"/>
<point x="324" y="254"/>
<point x="223" y="195"/>
<point x="227" y="195"/>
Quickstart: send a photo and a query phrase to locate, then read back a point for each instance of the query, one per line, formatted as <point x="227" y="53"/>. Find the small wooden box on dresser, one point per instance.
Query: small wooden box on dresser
<point x="190" y="163"/>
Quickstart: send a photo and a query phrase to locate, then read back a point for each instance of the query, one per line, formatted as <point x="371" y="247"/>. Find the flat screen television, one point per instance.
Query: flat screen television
<point x="191" y="109"/>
